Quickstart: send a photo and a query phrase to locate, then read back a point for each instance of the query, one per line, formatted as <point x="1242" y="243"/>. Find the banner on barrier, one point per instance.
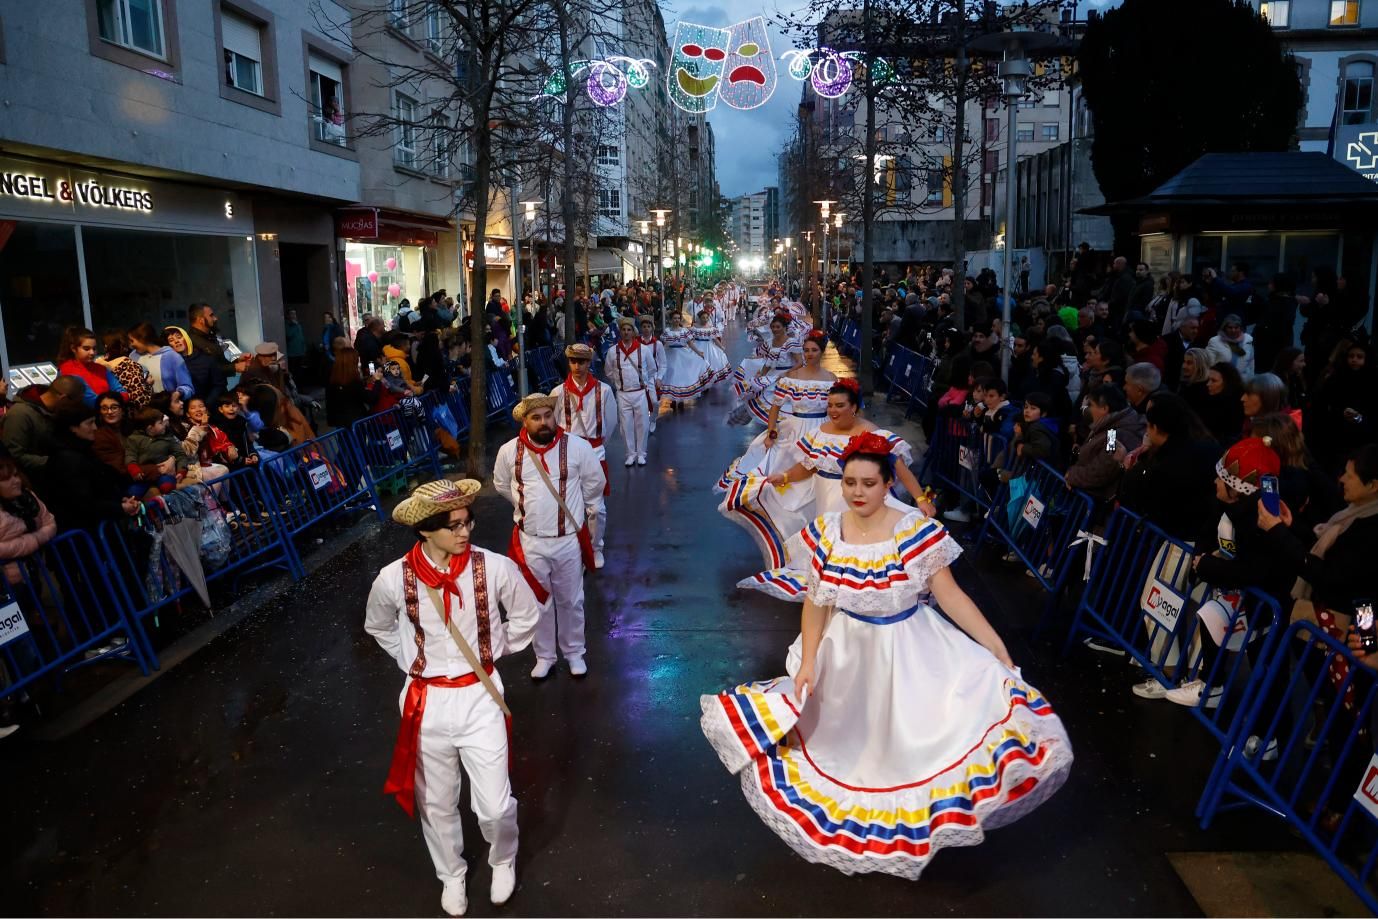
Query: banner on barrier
<point x="12" y="623"/>
<point x="1033" y="511"/>
<point x="1216" y="614"/>
<point x="320" y="476"/>
<point x="1367" y="792"/>
<point x="966" y="458"/>
<point x="1164" y="605"/>
<point x="395" y="440"/>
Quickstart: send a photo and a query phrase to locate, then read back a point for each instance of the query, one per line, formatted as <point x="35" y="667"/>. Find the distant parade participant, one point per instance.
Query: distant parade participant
<point x="899" y="730"/>
<point x="435" y="611"/>
<point x="586" y="406"/>
<point x="686" y="370"/>
<point x="555" y="484"/>
<point x="630" y="368"/>
<point x="777" y="353"/>
<point x="650" y="343"/>
<point x="709" y="341"/>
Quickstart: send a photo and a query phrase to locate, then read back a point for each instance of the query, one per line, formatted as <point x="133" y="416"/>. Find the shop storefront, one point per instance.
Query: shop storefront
<point x="388" y="258"/>
<point x="107" y="251"/>
<point x="498" y="258"/>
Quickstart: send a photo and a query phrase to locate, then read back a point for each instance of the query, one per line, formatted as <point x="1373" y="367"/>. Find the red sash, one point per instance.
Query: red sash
<point x="518" y="555"/>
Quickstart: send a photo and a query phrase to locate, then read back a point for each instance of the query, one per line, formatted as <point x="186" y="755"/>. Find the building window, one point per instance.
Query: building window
<point x="404" y="150"/>
<point x="1027" y="102"/>
<point x="1277" y="12"/>
<point x="992" y="129"/>
<point x="397" y="13"/>
<point x="243" y="46"/>
<point x="1357" y="102"/>
<point x="933" y="181"/>
<point x="1344" y="12"/>
<point x="441" y="145"/>
<point x="1024" y="133"/>
<point x="133" y="24"/>
<point x="610" y="203"/>
<point x="990" y="162"/>
<point x="1051" y="99"/>
<point x="940" y="133"/>
<point x="608" y="155"/>
<point x="1050" y="131"/>
<point x="987" y="193"/>
<point x="434" y="39"/>
<point x="327" y="101"/>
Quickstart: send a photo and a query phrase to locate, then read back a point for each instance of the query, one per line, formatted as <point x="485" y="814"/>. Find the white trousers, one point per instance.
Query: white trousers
<point x="632" y="415"/>
<point x="602" y="527"/>
<point x="556" y="563"/>
<point x="464" y="727"/>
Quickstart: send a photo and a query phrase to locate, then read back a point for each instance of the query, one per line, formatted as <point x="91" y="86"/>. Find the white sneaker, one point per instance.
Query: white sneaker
<point x="452" y="898"/>
<point x="1102" y="645"/>
<point x="631" y="460"/>
<point x="957" y="515"/>
<point x="504" y="882"/>
<point x="1150" y="689"/>
<point x="1251" y="746"/>
<point x="641" y="459"/>
<point x="542" y="669"/>
<point x="7" y="730"/>
<point x="598" y="559"/>
<point x="1189" y="694"/>
<point x="577" y="667"/>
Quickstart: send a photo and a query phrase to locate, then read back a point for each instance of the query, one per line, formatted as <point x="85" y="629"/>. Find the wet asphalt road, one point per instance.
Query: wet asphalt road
<point x="247" y="780"/>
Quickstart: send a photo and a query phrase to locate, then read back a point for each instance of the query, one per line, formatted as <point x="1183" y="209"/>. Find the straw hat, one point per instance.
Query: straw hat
<point x="436" y="497"/>
<point x="534" y="401"/>
<point x="626" y="321"/>
<point x="580" y="351"/>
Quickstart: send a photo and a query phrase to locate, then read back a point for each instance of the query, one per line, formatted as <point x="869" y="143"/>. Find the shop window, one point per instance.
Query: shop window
<point x="1344" y="12"/>
<point x="404" y="151"/>
<point x="1357" y="99"/>
<point x="40" y="294"/>
<point x="1278" y="13"/>
<point x="379" y="277"/>
<point x="327" y="101"/>
<point x="133" y="24"/>
<point x="243" y="48"/>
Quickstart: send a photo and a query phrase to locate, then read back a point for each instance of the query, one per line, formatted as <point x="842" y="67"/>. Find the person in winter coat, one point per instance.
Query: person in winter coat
<point x="1035" y="434"/>
<point x="210" y="448"/>
<point x="1234" y="346"/>
<point x="1276" y="320"/>
<point x="165" y="367"/>
<point x="228" y="419"/>
<point x="1172" y="484"/>
<point x="133" y="377"/>
<point x="347" y="396"/>
<point x="111" y="428"/>
<point x="1346" y="406"/>
<point x="1146" y="345"/>
<point x="31" y="424"/>
<point x="77" y="357"/>
<point x="397" y="349"/>
<point x="91" y="490"/>
<point x="148" y="450"/>
<point x="206" y="380"/>
<point x="1100" y="461"/>
<point x="26" y="524"/>
<point x="1223" y="409"/>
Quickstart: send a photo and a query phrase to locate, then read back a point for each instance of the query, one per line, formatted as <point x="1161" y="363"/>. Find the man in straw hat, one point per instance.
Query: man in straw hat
<point x="652" y="345"/>
<point x="555" y="484"/>
<point x="631" y="371"/>
<point x="585" y="406"/>
<point x="435" y="611"/>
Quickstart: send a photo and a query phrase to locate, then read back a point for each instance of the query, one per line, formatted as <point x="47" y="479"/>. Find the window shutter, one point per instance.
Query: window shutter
<point x="241" y="36"/>
<point x="326" y="68"/>
<point x="947" y="181"/>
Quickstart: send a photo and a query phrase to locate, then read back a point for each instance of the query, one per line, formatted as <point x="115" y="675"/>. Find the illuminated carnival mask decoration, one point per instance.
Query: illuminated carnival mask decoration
<point x="607" y="82"/>
<point x="696" y="66"/>
<point x="749" y="74"/>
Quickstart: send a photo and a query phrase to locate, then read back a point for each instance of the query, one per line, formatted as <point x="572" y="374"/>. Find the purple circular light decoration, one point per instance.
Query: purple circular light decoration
<point x="602" y="93"/>
<point x="832" y="75"/>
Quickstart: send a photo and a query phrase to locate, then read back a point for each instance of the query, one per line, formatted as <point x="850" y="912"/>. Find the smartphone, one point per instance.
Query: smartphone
<point x="1268" y="488"/>
<point x="370" y="368"/>
<point x="1363" y="624"/>
<point x="1110" y="441"/>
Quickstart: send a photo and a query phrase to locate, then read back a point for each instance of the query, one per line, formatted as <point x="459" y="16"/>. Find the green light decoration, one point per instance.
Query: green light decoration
<point x="800" y="66"/>
<point x="608" y="80"/>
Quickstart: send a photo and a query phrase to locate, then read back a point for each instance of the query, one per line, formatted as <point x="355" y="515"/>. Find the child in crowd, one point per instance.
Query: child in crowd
<point x="212" y="448"/>
<point x="235" y="427"/>
<point x="153" y="455"/>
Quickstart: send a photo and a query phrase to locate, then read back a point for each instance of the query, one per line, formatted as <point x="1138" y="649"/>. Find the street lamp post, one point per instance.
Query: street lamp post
<point x="517" y="288"/>
<point x="660" y="214"/>
<point x="530" y="216"/>
<point x="837" y="225"/>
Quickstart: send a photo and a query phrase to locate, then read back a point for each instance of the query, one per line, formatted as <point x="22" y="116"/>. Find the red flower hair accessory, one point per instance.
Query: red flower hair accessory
<point x="870" y="442"/>
<point x="818" y="337"/>
<point x="783" y="317"/>
<point x="854" y="385"/>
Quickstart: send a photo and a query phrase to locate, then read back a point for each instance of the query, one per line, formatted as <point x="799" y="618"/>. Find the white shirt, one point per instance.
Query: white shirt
<point x="584" y="419"/>
<point x="658" y="354"/>
<point x="630" y="372"/>
<point x="386" y="616"/>
<point x="535" y="510"/>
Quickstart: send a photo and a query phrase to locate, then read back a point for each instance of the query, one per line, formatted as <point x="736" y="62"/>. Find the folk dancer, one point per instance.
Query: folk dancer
<point x="555" y="484"/>
<point x="650" y="343"/>
<point x="631" y="370"/>
<point x="435" y="612"/>
<point x="585" y="406"/>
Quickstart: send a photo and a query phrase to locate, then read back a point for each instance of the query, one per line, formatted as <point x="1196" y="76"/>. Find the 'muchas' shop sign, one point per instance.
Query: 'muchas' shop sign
<point x="62" y="189"/>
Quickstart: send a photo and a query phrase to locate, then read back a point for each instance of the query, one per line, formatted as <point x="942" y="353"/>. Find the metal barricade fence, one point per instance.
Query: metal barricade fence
<point x="60" y="606"/>
<point x="500" y="396"/>
<point x="1312" y="763"/>
<point x="314" y="480"/>
<point x="241" y="532"/>
<point x="1038" y="518"/>
<point x="960" y="458"/>
<point x="390" y="445"/>
<point x="543" y="360"/>
<point x="458" y="401"/>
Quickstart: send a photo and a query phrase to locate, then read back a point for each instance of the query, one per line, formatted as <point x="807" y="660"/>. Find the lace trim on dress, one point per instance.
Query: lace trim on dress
<point x="884" y="577"/>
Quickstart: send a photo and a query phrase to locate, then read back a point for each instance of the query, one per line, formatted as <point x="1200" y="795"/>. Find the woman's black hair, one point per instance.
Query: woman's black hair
<point x="1174" y="416"/>
<point x="1365" y="460"/>
<point x="886" y="462"/>
<point x="1112" y="397"/>
<point x="838" y="389"/>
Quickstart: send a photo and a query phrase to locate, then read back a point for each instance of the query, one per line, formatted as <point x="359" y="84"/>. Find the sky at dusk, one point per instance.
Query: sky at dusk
<point x="747" y="142"/>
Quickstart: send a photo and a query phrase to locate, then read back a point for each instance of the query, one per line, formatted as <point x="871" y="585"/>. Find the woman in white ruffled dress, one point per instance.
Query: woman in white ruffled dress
<point x="897" y="732"/>
<point x="776" y="354"/>
<point x="709" y="344"/>
<point x="686" y="371"/>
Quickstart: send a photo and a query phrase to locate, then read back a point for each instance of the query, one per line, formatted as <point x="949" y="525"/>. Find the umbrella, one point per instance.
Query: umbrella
<point x="182" y="543"/>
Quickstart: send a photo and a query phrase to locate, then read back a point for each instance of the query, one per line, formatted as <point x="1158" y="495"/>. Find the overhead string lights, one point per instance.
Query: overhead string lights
<point x="608" y="81"/>
<point x="734" y="64"/>
<point x="831" y="73"/>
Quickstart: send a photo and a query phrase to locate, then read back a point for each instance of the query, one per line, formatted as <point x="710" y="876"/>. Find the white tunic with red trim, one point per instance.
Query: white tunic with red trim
<point x="914" y="736"/>
<point x="591" y="413"/>
<point x="575" y="472"/>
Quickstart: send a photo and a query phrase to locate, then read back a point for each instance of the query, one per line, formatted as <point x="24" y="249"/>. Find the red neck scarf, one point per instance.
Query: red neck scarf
<point x="572" y="388"/>
<point x="628" y="352"/>
<point x="536" y="448"/>
<point x="447" y="584"/>
<point x="650" y="343"/>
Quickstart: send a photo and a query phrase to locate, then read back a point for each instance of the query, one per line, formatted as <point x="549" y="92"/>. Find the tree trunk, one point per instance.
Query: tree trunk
<point x="568" y="211"/>
<point x="959" y="175"/>
<point x="478" y="356"/>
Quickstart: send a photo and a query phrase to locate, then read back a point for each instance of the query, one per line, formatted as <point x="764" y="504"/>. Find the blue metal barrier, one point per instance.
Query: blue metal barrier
<point x="543" y="361"/>
<point x="390" y="445"/>
<point x="1040" y="525"/>
<point x="458" y="401"/>
<point x="957" y="458"/>
<point x="316" y="479"/>
<point x="59" y="606"/>
<point x="500" y="396"/>
<point x="238" y="510"/>
<point x="1325" y="758"/>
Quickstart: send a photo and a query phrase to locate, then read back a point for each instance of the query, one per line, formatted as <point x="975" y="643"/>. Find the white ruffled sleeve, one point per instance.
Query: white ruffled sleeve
<point x="818" y="539"/>
<point x="926" y="547"/>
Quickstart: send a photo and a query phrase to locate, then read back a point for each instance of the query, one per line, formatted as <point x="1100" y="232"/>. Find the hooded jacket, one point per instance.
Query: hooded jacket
<point x="1097" y="470"/>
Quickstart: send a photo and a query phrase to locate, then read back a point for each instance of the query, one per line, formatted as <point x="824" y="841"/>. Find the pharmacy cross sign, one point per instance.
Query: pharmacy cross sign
<point x="1363" y="152"/>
